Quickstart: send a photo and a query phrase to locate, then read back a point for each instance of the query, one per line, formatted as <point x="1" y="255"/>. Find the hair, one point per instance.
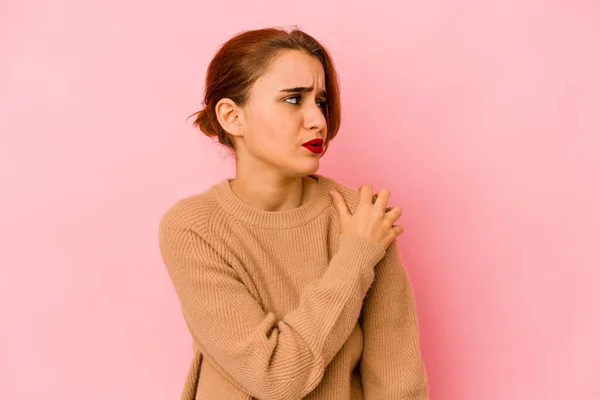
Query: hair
<point x="246" y="57"/>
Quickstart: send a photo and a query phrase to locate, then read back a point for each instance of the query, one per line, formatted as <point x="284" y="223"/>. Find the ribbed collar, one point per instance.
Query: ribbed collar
<point x="274" y="219"/>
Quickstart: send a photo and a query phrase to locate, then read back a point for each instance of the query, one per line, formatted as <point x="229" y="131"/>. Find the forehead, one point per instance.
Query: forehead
<point x="294" y="68"/>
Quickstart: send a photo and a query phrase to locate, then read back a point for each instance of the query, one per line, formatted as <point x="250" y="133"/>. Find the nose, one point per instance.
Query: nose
<point x="315" y="119"/>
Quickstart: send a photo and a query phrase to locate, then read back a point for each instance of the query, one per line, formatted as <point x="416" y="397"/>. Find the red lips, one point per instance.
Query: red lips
<point x="315" y="145"/>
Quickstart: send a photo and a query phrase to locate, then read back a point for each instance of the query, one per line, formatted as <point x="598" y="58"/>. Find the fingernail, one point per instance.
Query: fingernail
<point x="331" y="193"/>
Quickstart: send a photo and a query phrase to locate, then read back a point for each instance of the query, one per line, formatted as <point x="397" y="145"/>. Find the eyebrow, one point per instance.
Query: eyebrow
<point x="304" y="89"/>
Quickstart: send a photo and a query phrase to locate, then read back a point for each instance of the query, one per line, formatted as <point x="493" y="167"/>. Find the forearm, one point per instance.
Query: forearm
<point x="266" y="357"/>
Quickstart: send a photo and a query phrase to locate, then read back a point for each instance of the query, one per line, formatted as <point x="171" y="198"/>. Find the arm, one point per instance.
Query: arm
<point x="266" y="357"/>
<point x="391" y="365"/>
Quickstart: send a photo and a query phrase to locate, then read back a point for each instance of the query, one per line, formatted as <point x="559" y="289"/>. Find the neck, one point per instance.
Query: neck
<point x="271" y="194"/>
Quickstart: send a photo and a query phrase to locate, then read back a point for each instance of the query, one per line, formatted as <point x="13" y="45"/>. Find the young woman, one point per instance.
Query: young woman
<point x="288" y="293"/>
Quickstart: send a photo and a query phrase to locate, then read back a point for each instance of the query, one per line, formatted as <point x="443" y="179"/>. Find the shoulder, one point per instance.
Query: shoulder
<point x="350" y="194"/>
<point x="187" y="215"/>
<point x="186" y="233"/>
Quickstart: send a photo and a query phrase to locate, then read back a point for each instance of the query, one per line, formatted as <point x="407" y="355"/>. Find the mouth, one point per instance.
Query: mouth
<point x="314" y="146"/>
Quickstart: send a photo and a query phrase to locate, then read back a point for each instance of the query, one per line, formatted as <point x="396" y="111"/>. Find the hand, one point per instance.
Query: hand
<point x="373" y="221"/>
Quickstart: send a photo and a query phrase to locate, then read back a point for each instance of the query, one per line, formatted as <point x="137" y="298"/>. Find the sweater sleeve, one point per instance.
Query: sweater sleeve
<point x="391" y="365"/>
<point x="266" y="357"/>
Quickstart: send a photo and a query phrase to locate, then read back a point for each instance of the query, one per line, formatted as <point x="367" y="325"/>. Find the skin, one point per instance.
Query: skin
<point x="269" y="130"/>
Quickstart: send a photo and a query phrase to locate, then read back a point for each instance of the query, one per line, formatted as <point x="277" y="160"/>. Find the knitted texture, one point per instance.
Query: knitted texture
<point x="280" y="305"/>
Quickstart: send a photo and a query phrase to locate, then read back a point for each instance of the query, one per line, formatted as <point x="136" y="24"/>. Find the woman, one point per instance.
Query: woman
<point x="288" y="293"/>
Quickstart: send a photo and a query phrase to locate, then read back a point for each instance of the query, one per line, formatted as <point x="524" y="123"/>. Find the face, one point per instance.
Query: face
<point x="285" y="109"/>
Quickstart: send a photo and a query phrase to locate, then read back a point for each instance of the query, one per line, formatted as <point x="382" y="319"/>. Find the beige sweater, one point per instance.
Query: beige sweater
<point x="281" y="306"/>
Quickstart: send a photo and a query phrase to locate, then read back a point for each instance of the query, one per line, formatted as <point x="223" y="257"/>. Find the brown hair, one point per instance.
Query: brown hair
<point x="243" y="59"/>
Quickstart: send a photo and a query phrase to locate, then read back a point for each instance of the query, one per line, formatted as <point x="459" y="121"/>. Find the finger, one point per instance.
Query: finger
<point x="366" y="194"/>
<point x="393" y="213"/>
<point x="398" y="230"/>
<point x="382" y="198"/>
<point x="340" y="204"/>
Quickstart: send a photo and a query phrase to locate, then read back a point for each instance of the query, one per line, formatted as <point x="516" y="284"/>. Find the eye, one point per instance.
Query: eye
<point x="322" y="104"/>
<point x="297" y="98"/>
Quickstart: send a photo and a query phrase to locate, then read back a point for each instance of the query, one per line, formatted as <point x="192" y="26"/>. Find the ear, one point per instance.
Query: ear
<point x="229" y="117"/>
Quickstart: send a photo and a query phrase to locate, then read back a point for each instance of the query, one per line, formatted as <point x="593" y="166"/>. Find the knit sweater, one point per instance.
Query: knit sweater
<point x="280" y="305"/>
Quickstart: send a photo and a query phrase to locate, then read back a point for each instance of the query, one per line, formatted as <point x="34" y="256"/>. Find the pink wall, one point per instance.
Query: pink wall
<point x="481" y="117"/>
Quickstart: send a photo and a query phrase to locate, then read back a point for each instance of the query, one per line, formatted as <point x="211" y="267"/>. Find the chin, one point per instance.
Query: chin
<point x="307" y="170"/>
<point x="313" y="170"/>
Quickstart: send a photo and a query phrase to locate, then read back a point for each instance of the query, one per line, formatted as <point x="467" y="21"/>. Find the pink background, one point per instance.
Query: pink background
<point x="481" y="117"/>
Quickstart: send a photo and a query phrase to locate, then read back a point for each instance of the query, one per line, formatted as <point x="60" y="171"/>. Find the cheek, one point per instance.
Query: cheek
<point x="276" y="123"/>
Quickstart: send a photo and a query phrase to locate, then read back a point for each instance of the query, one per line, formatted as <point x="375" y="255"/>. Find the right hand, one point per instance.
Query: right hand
<point x="371" y="221"/>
